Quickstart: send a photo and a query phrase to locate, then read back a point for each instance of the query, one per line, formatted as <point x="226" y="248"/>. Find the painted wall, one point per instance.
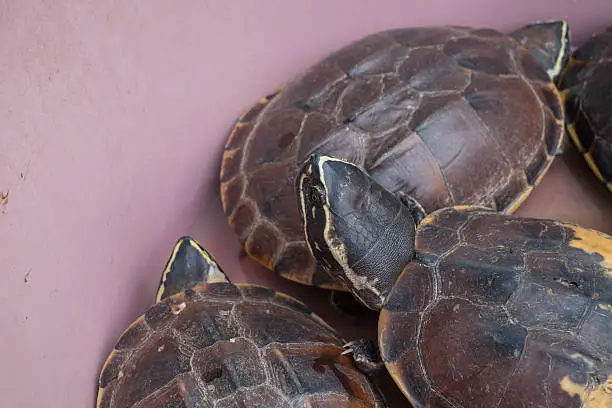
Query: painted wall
<point x="113" y="116"/>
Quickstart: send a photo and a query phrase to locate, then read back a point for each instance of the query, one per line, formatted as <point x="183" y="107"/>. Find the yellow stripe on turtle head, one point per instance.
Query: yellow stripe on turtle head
<point x="215" y="275"/>
<point x="167" y="269"/>
<point x="558" y="68"/>
<point x="99" y="397"/>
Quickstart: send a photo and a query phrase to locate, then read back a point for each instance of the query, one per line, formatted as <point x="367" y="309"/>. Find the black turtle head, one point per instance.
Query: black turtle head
<point x="188" y="266"/>
<point x="358" y="231"/>
<point x="549" y="42"/>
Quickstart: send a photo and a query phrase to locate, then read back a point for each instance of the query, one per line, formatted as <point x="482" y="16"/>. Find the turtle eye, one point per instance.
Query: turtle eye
<point x="317" y="195"/>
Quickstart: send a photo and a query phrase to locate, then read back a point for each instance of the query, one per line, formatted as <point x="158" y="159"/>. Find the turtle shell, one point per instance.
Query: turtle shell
<point x="502" y="311"/>
<point x="449" y="115"/>
<point x="587" y="89"/>
<point x="221" y="345"/>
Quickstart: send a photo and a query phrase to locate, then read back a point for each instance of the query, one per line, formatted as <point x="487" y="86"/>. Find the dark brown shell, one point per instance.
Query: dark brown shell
<point x="226" y="346"/>
<point x="449" y="115"/>
<point x="502" y="312"/>
<point x="587" y="85"/>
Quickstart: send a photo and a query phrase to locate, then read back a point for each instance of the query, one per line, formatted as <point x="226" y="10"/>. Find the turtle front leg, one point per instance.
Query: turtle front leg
<point x="416" y="209"/>
<point x="366" y="356"/>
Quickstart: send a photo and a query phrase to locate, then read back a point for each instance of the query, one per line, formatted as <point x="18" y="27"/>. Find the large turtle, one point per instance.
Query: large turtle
<point x="208" y="343"/>
<point x="477" y="308"/>
<point x="450" y="115"/>
<point x="587" y="89"/>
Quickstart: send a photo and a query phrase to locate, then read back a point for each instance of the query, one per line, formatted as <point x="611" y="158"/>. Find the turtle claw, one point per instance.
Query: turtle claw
<point x="365" y="355"/>
<point x="347" y="348"/>
<point x="350" y="343"/>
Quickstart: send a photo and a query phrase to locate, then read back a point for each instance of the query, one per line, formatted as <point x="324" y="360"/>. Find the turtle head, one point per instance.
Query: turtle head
<point x="188" y="266"/>
<point x="359" y="232"/>
<point x="549" y="42"/>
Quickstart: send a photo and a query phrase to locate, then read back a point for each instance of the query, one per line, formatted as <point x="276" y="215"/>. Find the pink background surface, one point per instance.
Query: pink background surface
<point x="113" y="119"/>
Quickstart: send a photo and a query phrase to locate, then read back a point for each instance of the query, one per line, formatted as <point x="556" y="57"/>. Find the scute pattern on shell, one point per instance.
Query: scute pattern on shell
<point x="418" y="108"/>
<point x="517" y="312"/>
<point x="588" y="80"/>
<point x="226" y="346"/>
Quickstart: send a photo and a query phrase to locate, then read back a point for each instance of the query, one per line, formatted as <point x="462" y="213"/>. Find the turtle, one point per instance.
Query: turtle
<point x="477" y="308"/>
<point x="447" y="114"/>
<point x="207" y="342"/>
<point x="586" y="88"/>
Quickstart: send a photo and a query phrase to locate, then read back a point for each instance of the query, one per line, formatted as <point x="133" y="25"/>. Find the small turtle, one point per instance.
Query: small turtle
<point x="586" y="86"/>
<point x="210" y="343"/>
<point x="477" y="308"/>
<point x="449" y="115"/>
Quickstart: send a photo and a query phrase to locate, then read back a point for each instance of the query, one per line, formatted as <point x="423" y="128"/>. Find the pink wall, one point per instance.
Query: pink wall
<point x="113" y="117"/>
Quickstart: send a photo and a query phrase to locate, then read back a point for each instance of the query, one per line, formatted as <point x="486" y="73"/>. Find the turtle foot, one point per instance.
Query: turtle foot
<point x="365" y="355"/>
